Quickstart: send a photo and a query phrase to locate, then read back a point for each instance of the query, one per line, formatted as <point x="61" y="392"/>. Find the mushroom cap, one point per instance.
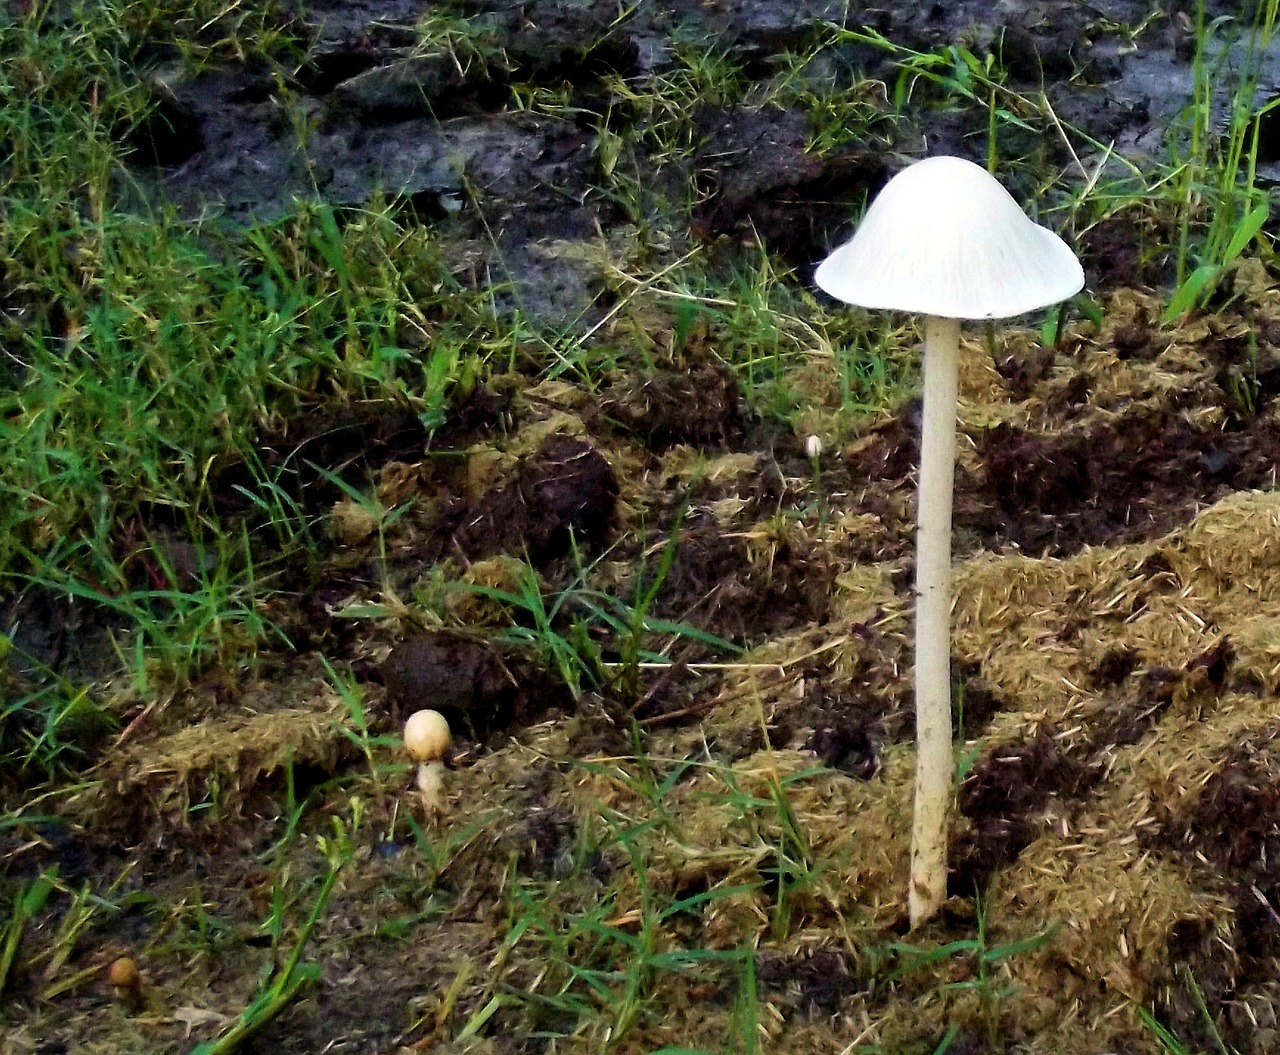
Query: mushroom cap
<point x="123" y="973"/>
<point x="426" y="736"/>
<point x="945" y="238"/>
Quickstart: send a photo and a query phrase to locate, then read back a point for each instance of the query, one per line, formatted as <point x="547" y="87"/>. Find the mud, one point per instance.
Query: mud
<point x="479" y="687"/>
<point x="434" y="129"/>
<point x="815" y="982"/>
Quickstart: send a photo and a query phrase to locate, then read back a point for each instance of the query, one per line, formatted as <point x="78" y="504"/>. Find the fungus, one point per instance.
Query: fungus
<point x="813" y="448"/>
<point x="126" y="982"/>
<point x="426" y="739"/>
<point x="945" y="240"/>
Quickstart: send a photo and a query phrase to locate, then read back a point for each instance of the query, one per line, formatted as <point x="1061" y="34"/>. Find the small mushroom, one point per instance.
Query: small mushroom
<point x="126" y="982"/>
<point x="943" y="239"/>
<point x="426" y="739"/>
<point x="813" y="450"/>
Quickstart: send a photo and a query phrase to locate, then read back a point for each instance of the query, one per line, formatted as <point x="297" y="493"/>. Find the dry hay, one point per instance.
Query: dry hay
<point x="1042" y="630"/>
<point x="1113" y="907"/>
<point x="1041" y="627"/>
<point x="1095" y="870"/>
<point x="1130" y="362"/>
<point x="723" y="834"/>
<point x="223" y="757"/>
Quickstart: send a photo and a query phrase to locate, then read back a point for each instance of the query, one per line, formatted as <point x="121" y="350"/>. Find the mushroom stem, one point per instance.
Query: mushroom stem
<point x="933" y="620"/>
<point x="430" y="783"/>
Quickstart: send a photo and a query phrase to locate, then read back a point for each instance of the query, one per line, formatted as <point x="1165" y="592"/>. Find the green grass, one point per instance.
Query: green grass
<point x="116" y="430"/>
<point x="984" y="963"/>
<point x="608" y="957"/>
<point x="591" y="639"/>
<point x="1168" y="1039"/>
<point x="1221" y="207"/>
<point x="147" y="354"/>
<point x="28" y="902"/>
<point x="284" y="979"/>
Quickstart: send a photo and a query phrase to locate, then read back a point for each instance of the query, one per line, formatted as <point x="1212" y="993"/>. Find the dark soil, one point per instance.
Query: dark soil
<point x="479" y="687"/>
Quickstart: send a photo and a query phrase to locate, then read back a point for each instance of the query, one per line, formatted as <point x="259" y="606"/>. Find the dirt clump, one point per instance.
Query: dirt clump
<point x="700" y="406"/>
<point x="352" y="445"/>
<point x="760" y="182"/>
<point x="481" y="688"/>
<point x="1229" y="833"/>
<point x="566" y="489"/>
<point x="746" y="586"/>
<point x="1003" y="798"/>
<point x="812" y="981"/>
<point x="1232" y="824"/>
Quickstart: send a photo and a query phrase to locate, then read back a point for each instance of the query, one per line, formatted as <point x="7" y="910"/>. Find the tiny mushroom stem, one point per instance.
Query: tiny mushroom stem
<point x="426" y="739"/>
<point x="813" y="448"/>
<point x="946" y="240"/>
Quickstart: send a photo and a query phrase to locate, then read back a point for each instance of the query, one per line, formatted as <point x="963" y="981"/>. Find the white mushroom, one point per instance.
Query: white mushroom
<point x="945" y="240"/>
<point x="426" y="739"/>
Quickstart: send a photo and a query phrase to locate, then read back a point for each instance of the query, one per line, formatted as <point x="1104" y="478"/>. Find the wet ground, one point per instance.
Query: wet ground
<point x="1118" y="585"/>
<point x="434" y="126"/>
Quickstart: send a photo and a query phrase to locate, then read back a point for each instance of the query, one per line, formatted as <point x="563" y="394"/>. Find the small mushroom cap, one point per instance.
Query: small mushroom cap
<point x="426" y="736"/>
<point x="944" y="238"/>
<point x="122" y="973"/>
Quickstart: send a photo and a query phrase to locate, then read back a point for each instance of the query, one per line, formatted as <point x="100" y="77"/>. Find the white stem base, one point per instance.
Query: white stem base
<point x="933" y="620"/>
<point x="431" y="785"/>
